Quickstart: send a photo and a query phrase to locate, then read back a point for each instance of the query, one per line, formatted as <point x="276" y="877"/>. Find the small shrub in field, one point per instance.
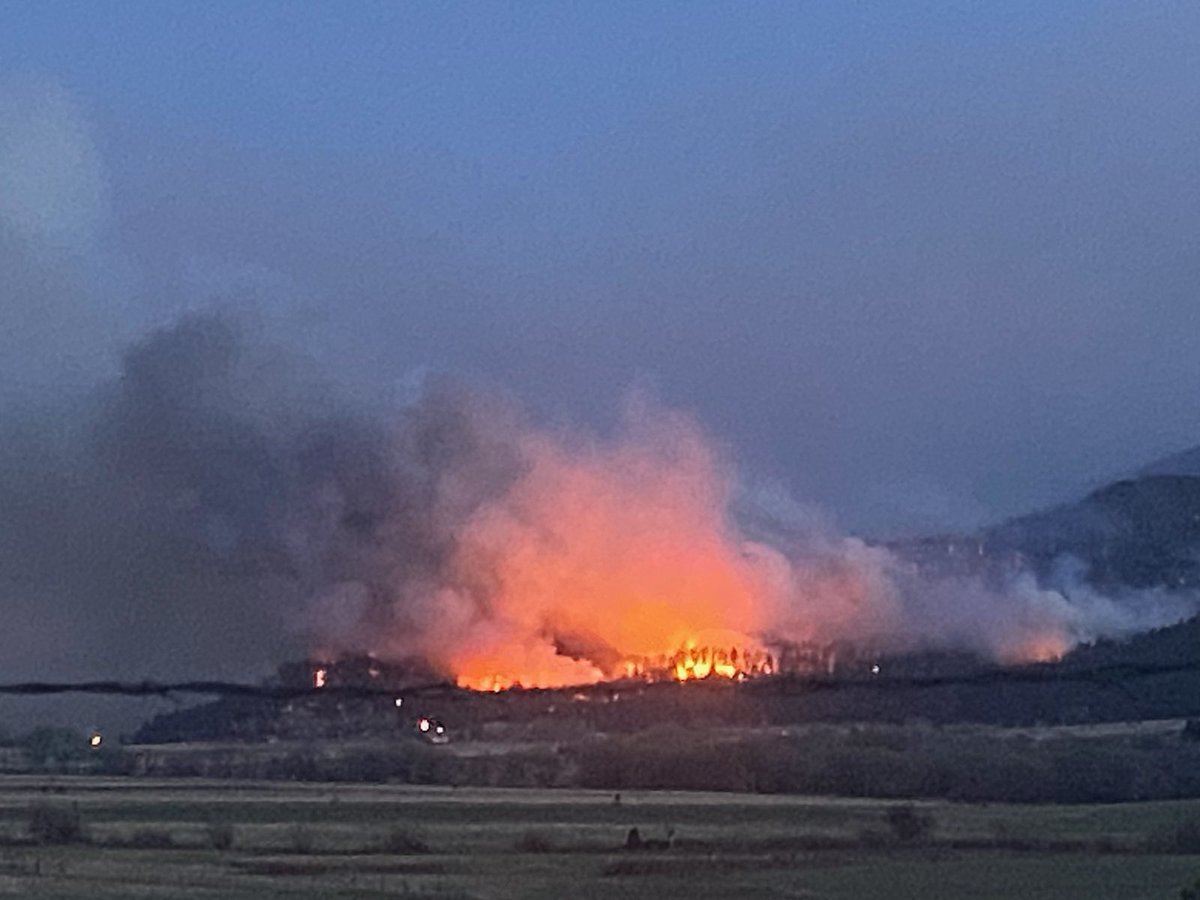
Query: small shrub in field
<point x="401" y="841"/>
<point x="220" y="835"/>
<point x="908" y="823"/>
<point x="534" y="842"/>
<point x="1184" y="837"/>
<point x="872" y="838"/>
<point x="300" y="839"/>
<point x="151" y="839"/>
<point x="53" y="748"/>
<point x="56" y="824"/>
<point x="1192" y="892"/>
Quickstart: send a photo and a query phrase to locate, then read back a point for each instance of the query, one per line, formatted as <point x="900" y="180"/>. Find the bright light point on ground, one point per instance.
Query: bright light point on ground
<point x="399" y="702"/>
<point x="423" y="725"/>
<point x="95" y="740"/>
<point x="875" y="669"/>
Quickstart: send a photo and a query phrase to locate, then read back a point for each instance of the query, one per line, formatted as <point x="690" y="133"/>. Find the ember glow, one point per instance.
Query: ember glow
<point x="1048" y="646"/>
<point x="693" y="661"/>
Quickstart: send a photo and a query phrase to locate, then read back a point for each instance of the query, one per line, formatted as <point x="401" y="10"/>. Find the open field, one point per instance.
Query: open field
<point x="193" y="839"/>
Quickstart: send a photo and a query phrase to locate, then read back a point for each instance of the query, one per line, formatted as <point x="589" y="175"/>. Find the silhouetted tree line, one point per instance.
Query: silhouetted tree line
<point x="901" y="763"/>
<point x="913" y="761"/>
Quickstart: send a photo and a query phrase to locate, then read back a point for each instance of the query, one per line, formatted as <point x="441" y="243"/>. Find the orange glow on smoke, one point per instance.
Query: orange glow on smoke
<point x="621" y="559"/>
<point x="1050" y="646"/>
<point x="601" y="559"/>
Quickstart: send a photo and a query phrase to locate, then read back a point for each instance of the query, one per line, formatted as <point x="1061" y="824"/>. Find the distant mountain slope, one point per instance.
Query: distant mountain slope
<point x="1186" y="462"/>
<point x="1173" y="645"/>
<point x="1137" y="533"/>
<point x="1142" y="532"/>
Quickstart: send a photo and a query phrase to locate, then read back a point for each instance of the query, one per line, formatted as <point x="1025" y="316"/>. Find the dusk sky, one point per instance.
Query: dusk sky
<point x="927" y="264"/>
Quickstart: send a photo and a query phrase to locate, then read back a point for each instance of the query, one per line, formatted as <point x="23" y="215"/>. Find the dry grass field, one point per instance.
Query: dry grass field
<point x="140" y="838"/>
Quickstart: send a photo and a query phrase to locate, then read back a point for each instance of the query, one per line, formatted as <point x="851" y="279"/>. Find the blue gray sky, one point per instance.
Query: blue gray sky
<point x="929" y="264"/>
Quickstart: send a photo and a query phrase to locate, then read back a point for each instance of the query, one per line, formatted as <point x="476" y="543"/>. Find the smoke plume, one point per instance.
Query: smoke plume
<point x="217" y="508"/>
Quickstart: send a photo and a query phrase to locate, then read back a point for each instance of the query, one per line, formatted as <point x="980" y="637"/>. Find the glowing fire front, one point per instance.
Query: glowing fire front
<point x="691" y="662"/>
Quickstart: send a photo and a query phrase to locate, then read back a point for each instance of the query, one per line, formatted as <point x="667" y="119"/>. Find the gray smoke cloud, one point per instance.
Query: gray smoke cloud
<point x="216" y="509"/>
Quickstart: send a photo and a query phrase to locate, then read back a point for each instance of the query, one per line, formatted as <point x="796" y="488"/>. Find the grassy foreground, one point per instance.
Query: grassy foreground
<point x="193" y="839"/>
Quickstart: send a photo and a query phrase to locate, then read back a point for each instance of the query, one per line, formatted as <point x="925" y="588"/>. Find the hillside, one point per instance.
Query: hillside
<point x="1186" y="462"/>
<point x="1142" y="532"/>
<point x="1136" y="533"/>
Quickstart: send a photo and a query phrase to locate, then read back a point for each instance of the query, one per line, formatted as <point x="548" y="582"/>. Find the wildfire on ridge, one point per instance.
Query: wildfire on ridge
<point x="1038" y="648"/>
<point x="735" y="658"/>
<point x="692" y="662"/>
<point x="606" y="560"/>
